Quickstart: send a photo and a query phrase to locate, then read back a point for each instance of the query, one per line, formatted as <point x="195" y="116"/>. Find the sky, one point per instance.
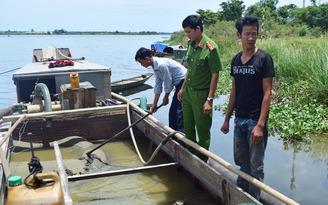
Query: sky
<point x="106" y="15"/>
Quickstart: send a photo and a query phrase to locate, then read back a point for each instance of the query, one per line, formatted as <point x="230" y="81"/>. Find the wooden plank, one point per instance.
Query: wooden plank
<point x="62" y="174"/>
<point x="80" y="97"/>
<point x="77" y="113"/>
<point x="120" y="172"/>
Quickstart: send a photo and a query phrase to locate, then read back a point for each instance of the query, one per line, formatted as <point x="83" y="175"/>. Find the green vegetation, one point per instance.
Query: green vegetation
<point x="299" y="110"/>
<point x="314" y="16"/>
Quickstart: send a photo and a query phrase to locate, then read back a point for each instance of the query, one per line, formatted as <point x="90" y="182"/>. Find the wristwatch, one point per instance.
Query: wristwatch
<point x="210" y="99"/>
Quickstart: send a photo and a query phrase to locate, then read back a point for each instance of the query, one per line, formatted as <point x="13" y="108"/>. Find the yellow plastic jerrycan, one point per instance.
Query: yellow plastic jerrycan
<point x="75" y="80"/>
<point x="50" y="193"/>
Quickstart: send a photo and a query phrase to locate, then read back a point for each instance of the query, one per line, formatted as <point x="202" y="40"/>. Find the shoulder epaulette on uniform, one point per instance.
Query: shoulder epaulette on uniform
<point x="209" y="45"/>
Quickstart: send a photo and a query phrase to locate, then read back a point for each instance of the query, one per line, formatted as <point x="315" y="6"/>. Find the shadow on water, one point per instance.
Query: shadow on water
<point x="318" y="149"/>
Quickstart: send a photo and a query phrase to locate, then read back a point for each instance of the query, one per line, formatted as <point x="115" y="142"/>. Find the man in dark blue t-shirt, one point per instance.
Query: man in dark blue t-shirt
<point x="252" y="71"/>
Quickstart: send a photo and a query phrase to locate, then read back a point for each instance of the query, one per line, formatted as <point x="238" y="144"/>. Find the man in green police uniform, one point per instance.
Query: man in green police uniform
<point x="197" y="91"/>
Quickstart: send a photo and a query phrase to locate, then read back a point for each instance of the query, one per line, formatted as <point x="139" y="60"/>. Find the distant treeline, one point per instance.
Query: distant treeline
<point x="64" y="32"/>
<point x="313" y="17"/>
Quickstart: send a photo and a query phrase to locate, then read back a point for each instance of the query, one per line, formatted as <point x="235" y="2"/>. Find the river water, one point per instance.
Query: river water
<point x="299" y="172"/>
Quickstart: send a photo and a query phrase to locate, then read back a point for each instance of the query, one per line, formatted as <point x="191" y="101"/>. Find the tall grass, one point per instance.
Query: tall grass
<point x="300" y="99"/>
<point x="301" y="59"/>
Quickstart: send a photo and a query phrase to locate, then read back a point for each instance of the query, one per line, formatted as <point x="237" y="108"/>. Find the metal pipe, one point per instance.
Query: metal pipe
<point x="62" y="174"/>
<point x="120" y="172"/>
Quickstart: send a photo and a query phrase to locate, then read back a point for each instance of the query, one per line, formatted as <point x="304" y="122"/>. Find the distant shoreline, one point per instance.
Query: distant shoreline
<point x="63" y="32"/>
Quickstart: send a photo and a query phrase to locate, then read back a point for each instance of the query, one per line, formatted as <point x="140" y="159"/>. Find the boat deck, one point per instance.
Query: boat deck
<point x="41" y="68"/>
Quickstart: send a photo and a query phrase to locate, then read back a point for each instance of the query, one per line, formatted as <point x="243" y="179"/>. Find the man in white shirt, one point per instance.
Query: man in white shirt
<point x="168" y="74"/>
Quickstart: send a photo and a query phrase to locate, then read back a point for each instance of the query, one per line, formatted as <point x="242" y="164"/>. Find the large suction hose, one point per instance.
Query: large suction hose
<point x="41" y="90"/>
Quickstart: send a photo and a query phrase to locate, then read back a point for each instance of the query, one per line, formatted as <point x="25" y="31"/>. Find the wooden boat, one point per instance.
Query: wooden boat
<point x="128" y="83"/>
<point x="95" y="76"/>
<point x="176" y="52"/>
<point x="48" y="127"/>
<point x="112" y="119"/>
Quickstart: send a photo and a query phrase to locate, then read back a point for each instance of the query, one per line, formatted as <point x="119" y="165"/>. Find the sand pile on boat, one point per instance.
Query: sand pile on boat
<point x="73" y="151"/>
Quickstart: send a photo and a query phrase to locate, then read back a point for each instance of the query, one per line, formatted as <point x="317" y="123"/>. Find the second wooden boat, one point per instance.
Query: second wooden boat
<point x="128" y="83"/>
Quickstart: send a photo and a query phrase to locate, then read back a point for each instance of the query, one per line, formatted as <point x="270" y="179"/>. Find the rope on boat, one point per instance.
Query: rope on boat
<point x="7" y="71"/>
<point x="61" y="52"/>
<point x="20" y="134"/>
<point x="67" y="57"/>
